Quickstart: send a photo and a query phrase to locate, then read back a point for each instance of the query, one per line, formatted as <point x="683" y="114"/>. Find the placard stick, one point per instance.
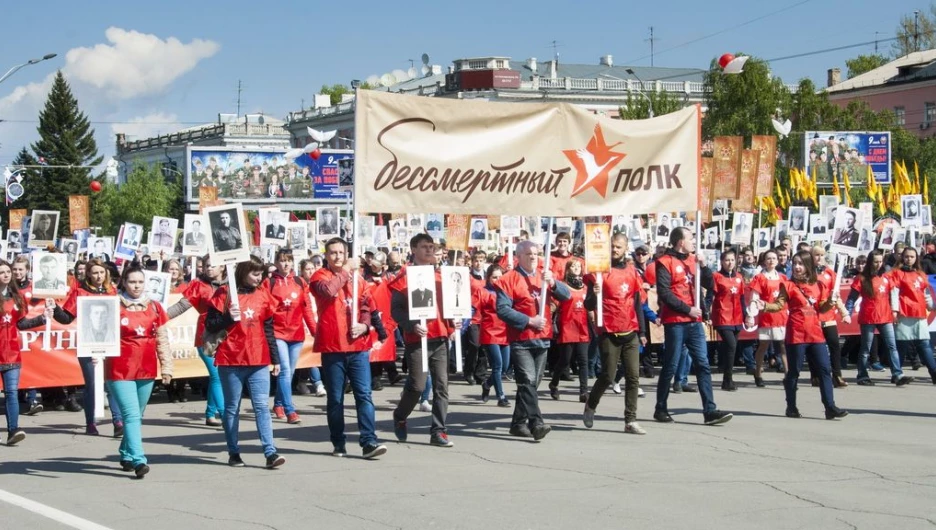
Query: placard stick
<point x="698" y="271"/>
<point x="232" y="286"/>
<point x="47" y="336"/>
<point x="721" y="233"/>
<point x="424" y="341"/>
<point x="510" y="255"/>
<point x="544" y="287"/>
<point x="98" y="387"/>
<point x="839" y="272"/>
<point x="458" y="350"/>
<point x="600" y="309"/>
<point x="354" y="255"/>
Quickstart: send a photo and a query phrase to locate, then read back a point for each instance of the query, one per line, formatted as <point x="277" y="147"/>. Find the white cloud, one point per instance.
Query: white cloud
<point x="136" y="64"/>
<point x="147" y="126"/>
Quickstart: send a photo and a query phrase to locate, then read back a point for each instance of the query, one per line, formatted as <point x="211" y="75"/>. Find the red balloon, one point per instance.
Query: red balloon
<point x="316" y="154"/>
<point x="725" y="59"/>
<point x="95" y="186"/>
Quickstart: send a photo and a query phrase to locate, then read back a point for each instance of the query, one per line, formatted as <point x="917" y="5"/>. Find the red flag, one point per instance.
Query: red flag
<point x="256" y="231"/>
<point x="292" y="217"/>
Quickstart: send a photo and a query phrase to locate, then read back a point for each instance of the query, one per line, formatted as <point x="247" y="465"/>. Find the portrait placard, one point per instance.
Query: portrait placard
<point x="478" y="233"/>
<point x="597" y="247"/>
<point x="229" y="241"/>
<point x="456" y="292"/>
<point x="421" y="293"/>
<point x="194" y="239"/>
<point x="273" y="226"/>
<point x="157" y="286"/>
<point x="163" y="235"/>
<point x="98" y="326"/>
<point x="911" y="207"/>
<point x="70" y="248"/>
<point x="742" y="224"/>
<point x="327" y="222"/>
<point x="435" y="225"/>
<point x="799" y="215"/>
<point x="50" y="274"/>
<point x="846" y="231"/>
<point x="100" y="248"/>
<point x="44" y="228"/>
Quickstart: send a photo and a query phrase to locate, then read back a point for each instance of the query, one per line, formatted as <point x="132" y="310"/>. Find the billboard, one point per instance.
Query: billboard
<point x="264" y="176"/>
<point x="832" y="153"/>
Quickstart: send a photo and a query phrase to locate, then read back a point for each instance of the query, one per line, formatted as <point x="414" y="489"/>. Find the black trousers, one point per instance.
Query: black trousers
<point x="578" y="350"/>
<point x="727" y="348"/>
<point x="475" y="364"/>
<point x="835" y="349"/>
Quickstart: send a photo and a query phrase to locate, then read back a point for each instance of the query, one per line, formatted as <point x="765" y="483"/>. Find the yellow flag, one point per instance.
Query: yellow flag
<point x="835" y="188"/>
<point x="925" y="189"/>
<point x="846" y="181"/>
<point x="872" y="189"/>
<point x="916" y="174"/>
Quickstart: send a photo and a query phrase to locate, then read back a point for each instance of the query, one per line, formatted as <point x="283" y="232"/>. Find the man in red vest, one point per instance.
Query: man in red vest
<point x="529" y="333"/>
<point x="682" y="323"/>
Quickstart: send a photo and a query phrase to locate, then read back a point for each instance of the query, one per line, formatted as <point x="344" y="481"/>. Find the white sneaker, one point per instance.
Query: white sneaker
<point x="634" y="428"/>
<point x="640" y="392"/>
<point x="425" y="406"/>
<point x="588" y="417"/>
<point x="616" y="388"/>
<point x="320" y="390"/>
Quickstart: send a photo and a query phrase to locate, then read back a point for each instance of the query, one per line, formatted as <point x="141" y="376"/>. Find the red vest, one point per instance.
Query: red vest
<point x="71" y="303"/>
<point x="333" y="332"/>
<point x="493" y="329"/>
<point x="769" y="290"/>
<point x="729" y="296"/>
<point x="557" y="264"/>
<point x="618" y="289"/>
<point x="681" y="284"/>
<point x="803" y="326"/>
<point x="199" y="293"/>
<point x="380" y="298"/>
<point x="246" y="343"/>
<point x="912" y="287"/>
<point x="573" y="319"/>
<point x="524" y="292"/>
<point x="476" y="286"/>
<point x="292" y="309"/>
<point x="137" y="358"/>
<point x="827" y="279"/>
<point x="9" y="335"/>
<point x="875" y="307"/>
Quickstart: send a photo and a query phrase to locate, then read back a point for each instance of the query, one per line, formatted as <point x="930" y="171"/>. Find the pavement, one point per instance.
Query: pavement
<point x="872" y="469"/>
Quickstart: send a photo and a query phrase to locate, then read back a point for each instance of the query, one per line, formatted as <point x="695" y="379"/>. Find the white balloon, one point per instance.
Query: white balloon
<point x="736" y="66"/>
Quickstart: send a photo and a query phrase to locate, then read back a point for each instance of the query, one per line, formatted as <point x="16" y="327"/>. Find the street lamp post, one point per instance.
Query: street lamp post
<point x="13" y="70"/>
<point x="640" y="89"/>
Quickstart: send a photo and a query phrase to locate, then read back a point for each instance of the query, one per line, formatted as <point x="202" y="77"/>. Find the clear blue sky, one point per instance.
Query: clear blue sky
<point x="283" y="51"/>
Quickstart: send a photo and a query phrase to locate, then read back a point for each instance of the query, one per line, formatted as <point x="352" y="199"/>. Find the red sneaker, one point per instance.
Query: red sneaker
<point x="279" y="412"/>
<point x="293" y="418"/>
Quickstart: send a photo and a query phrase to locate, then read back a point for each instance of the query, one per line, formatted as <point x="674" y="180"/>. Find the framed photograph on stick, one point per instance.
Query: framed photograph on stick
<point x="98" y="326"/>
<point x="598" y="257"/>
<point x="846" y="231"/>
<point x="229" y="242"/>
<point x="44" y="228"/>
<point x="194" y="239"/>
<point x="50" y="274"/>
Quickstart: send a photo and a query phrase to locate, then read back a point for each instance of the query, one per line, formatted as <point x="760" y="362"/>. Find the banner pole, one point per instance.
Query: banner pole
<point x="698" y="271"/>
<point x="232" y="286"/>
<point x="546" y="255"/>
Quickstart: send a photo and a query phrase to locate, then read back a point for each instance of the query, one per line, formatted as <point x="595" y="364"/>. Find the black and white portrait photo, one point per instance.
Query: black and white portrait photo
<point x="741" y="226"/>
<point x="296" y="235"/>
<point x="456" y="292"/>
<point x="827" y="202"/>
<point x="435" y="225"/>
<point x="888" y="237"/>
<point x="156" y="286"/>
<point x="817" y="225"/>
<point x="228" y="242"/>
<point x="761" y="240"/>
<point x="781" y="230"/>
<point x="365" y="229"/>
<point x="478" y="231"/>
<point x="420" y="286"/>
<point x="346" y="174"/>
<point x="194" y="235"/>
<point x="70" y="248"/>
<point x="720" y="210"/>
<point x="798" y="217"/>
<point x="163" y="234"/>
<point x="415" y="222"/>
<point x="311" y="236"/>
<point x="82" y="237"/>
<point x="14" y="241"/>
<point x="866" y="240"/>
<point x="846" y="233"/>
<point x="327" y="221"/>
<point x="50" y="274"/>
<point x="98" y="326"/>
<point x="926" y="219"/>
<point x="100" y="248"/>
<point x="124" y="249"/>
<point x="911" y="208"/>
<point x="662" y="227"/>
<point x="44" y="228"/>
<point x="273" y="226"/>
<point x="710" y="239"/>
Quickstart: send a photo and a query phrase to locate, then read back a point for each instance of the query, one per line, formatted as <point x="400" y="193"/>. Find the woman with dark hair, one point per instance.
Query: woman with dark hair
<point x="97" y="282"/>
<point x="771" y="327"/>
<point x="493" y="335"/>
<point x="574" y="336"/>
<point x="13" y="310"/>
<point x="727" y="314"/>
<point x="198" y="294"/>
<point x="914" y="299"/>
<point x="874" y="287"/>
<point x="827" y="277"/>
<point x="243" y="357"/>
<point x="806" y="299"/>
<point x="129" y="377"/>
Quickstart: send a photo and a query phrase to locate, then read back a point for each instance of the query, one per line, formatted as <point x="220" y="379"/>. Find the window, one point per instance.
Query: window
<point x="929" y="113"/>
<point x="901" y="114"/>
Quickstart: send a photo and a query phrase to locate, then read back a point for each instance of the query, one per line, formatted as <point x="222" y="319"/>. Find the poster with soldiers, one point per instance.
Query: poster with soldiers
<point x="831" y="154"/>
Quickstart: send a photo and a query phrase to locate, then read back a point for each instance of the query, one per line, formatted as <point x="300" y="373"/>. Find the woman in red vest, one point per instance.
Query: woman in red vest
<point x="493" y="335"/>
<point x="13" y="309"/>
<point x="914" y="300"/>
<point x="244" y="356"/>
<point x="176" y="276"/>
<point x="806" y="299"/>
<point x="129" y="377"/>
<point x="827" y="277"/>
<point x="771" y="327"/>
<point x="728" y="313"/>
<point x="873" y="286"/>
<point x="573" y="331"/>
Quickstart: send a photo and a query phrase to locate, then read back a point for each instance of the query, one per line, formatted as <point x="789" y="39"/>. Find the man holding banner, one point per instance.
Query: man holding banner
<point x="682" y="323"/>
<point x="529" y="331"/>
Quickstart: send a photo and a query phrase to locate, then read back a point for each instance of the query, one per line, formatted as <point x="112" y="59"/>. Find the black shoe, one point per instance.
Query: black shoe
<point x="662" y="416"/>
<point x="916" y="365"/>
<point x="728" y="384"/>
<point x="865" y="382"/>
<point x="503" y="402"/>
<point x="235" y="460"/>
<point x="376" y="385"/>
<point x="835" y="413"/>
<point x="750" y="371"/>
<point x="485" y="392"/>
<point x="274" y="461"/>
<point x="399" y="430"/>
<point x="34" y="408"/>
<point x="521" y="431"/>
<point x="677" y="388"/>
<point x="16" y="436"/>
<point x="118" y="430"/>
<point x="126" y="465"/>
<point x="303" y="389"/>
<point x="759" y="382"/>
<point x="933" y="377"/>
<point x="141" y="470"/>
<point x="470" y="381"/>
<point x="717" y="417"/>
<point x="583" y="397"/>
<point x="690" y="389"/>
<point x="793" y="413"/>
<point x="396" y="379"/>
<point x="72" y="406"/>
<point x="372" y="451"/>
<point x="540" y="431"/>
<point x="906" y="379"/>
<point x="566" y="376"/>
<point x="554" y="392"/>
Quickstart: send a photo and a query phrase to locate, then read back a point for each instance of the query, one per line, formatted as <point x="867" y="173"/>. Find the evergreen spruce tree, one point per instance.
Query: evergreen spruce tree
<point x="65" y="139"/>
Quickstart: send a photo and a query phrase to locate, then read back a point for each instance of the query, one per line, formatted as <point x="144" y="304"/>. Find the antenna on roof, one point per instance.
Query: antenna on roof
<point x="555" y="45"/>
<point x="652" y="40"/>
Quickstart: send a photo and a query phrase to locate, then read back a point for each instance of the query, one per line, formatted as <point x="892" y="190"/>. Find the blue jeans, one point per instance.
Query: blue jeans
<point x="529" y="363"/>
<point x="289" y="358"/>
<point x="684" y="366"/>
<point x="131" y="398"/>
<point x="257" y="379"/>
<point x="818" y="354"/>
<point x="87" y="372"/>
<point x="356" y="367"/>
<point x="885" y="339"/>
<point x="499" y="358"/>
<point x="215" y="399"/>
<point x="692" y="336"/>
<point x="747" y="353"/>
<point x="594" y="357"/>
<point x="924" y="349"/>
<point x="11" y="379"/>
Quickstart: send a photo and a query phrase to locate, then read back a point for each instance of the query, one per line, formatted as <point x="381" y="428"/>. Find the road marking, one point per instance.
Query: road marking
<point x="67" y="519"/>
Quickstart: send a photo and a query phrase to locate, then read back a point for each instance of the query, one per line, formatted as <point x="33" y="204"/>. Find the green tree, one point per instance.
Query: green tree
<point x="742" y="104"/>
<point x="335" y="92"/>
<point x="145" y="194"/>
<point x="65" y="139"/>
<point x="637" y="108"/>
<point x="916" y="33"/>
<point x="864" y="63"/>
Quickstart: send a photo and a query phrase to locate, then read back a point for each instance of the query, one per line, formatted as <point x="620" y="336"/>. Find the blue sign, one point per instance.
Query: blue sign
<point x="835" y="153"/>
<point x="325" y="175"/>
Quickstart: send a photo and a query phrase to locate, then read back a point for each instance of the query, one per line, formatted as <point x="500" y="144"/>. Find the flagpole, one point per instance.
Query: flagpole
<point x="698" y="271"/>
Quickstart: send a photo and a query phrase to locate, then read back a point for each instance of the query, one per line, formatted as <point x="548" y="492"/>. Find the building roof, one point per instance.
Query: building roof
<point x="916" y="66"/>
<point x="592" y="71"/>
